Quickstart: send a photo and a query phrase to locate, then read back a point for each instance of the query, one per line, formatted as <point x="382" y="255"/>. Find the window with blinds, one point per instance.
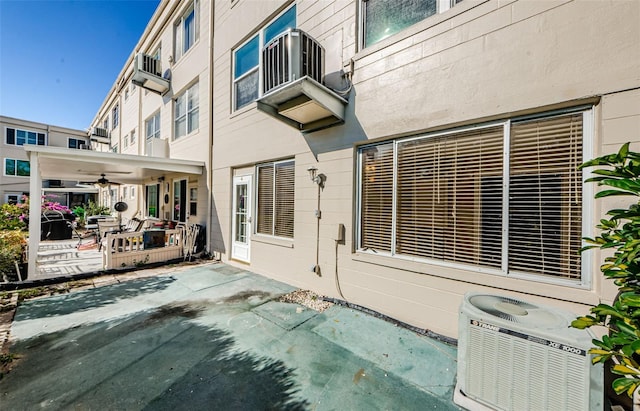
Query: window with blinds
<point x="276" y="192"/>
<point x="444" y="197"/>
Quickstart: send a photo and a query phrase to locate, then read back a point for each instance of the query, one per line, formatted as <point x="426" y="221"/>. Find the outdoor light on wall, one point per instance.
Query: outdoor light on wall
<point x="319" y="179"/>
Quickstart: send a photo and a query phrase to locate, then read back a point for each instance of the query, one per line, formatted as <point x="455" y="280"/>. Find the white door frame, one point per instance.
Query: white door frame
<point x="241" y="215"/>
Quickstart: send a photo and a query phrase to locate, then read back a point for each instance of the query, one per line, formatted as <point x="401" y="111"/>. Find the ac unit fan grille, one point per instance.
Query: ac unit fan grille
<point x="290" y="56"/>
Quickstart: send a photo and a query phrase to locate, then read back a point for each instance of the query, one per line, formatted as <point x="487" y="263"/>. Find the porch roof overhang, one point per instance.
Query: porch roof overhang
<point x="84" y="165"/>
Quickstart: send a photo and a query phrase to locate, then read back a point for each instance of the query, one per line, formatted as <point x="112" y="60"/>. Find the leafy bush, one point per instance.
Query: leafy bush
<point x="12" y="217"/>
<point x="620" y="233"/>
<point x="12" y="243"/>
<point x="95" y="209"/>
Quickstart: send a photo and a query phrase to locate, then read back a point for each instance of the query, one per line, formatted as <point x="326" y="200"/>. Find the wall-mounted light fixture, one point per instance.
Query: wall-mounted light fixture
<point x="319" y="179"/>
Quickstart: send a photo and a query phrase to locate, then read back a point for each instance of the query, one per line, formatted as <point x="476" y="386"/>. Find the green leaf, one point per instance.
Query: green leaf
<point x="584" y="322"/>
<point x="629" y="385"/>
<point x="609" y="193"/>
<point x="623" y="152"/>
<point x="631" y="299"/>
<point x="621" y="369"/>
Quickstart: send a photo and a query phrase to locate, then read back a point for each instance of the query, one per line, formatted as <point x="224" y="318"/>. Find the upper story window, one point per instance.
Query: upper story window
<point x="115" y="114"/>
<point x="133" y="136"/>
<point x="21" y="137"/>
<point x="504" y="198"/>
<point x="152" y="127"/>
<point x="247" y="59"/>
<point x="18" y="168"/>
<point x="105" y="123"/>
<point x="76" y="143"/>
<point x="186" y="112"/>
<point x="126" y="93"/>
<point x="114" y="148"/>
<point x="187" y="30"/>
<point x="383" y="18"/>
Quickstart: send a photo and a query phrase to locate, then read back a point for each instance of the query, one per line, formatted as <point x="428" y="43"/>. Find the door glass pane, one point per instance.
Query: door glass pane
<point x="241" y="214"/>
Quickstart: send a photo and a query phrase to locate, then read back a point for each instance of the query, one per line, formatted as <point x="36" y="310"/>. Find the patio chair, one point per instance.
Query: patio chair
<point x="106" y="227"/>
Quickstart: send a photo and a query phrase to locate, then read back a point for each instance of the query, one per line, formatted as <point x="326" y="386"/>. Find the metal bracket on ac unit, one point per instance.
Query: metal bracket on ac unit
<point x="305" y="104"/>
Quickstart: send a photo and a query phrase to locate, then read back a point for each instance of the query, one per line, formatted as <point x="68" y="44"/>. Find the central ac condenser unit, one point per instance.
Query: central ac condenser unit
<point x="515" y="355"/>
<point x="290" y="56"/>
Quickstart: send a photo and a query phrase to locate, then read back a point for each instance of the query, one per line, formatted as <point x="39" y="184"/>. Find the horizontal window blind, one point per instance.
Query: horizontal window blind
<point x="449" y="199"/>
<point x="265" y="199"/>
<point x="545" y="191"/>
<point x="284" y="203"/>
<point x="276" y="193"/>
<point x="441" y="198"/>
<point x="376" y="197"/>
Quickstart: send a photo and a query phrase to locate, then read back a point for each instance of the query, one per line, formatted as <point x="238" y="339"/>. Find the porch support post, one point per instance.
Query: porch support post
<point x="35" y="205"/>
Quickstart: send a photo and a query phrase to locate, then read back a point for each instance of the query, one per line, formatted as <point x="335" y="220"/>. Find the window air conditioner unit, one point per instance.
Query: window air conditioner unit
<point x="514" y="355"/>
<point x="100" y="132"/>
<point x="290" y="56"/>
<point x="147" y="64"/>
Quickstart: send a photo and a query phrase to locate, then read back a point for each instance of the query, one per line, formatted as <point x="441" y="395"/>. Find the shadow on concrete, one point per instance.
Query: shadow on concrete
<point x="92" y="298"/>
<point x="157" y="360"/>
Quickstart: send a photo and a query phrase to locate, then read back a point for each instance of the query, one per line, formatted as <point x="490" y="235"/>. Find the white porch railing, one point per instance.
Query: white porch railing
<point x="125" y="250"/>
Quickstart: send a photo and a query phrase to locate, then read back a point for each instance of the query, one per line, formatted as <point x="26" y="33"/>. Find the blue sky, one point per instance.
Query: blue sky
<point x="59" y="58"/>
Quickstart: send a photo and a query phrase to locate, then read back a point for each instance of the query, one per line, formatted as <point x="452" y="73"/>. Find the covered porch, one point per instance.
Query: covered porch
<point x="124" y="249"/>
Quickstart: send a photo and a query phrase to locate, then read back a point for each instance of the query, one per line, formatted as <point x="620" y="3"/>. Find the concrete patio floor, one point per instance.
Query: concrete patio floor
<point x="214" y="337"/>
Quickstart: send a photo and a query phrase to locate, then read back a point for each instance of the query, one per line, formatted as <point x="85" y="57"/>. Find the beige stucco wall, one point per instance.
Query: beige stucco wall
<point x="479" y="61"/>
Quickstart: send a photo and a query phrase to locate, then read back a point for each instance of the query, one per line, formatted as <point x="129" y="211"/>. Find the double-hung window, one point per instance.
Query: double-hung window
<point x="152" y="127"/>
<point x="383" y="18"/>
<point x="115" y="114"/>
<point x="21" y="137"/>
<point x="247" y="59"/>
<point x="18" y="168"/>
<point x="504" y="198"/>
<point x="187" y="30"/>
<point x="186" y="112"/>
<point x="276" y="192"/>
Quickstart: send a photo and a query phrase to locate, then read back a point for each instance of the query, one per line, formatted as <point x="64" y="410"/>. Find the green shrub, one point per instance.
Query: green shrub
<point x="11" y="217"/>
<point x="94" y="209"/>
<point x="621" y="234"/>
<point x="12" y="243"/>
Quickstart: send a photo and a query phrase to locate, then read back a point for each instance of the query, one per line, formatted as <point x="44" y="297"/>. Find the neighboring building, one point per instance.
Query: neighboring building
<point x="438" y="156"/>
<point x="159" y="106"/>
<point x="14" y="179"/>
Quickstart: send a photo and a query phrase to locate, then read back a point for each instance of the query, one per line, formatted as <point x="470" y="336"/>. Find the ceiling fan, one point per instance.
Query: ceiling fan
<point x="102" y="181"/>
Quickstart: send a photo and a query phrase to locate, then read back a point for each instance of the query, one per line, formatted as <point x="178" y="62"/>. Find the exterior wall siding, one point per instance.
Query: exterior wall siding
<point x="476" y="62"/>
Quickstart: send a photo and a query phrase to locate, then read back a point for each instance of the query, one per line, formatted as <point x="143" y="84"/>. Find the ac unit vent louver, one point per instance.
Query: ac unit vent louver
<point x="148" y="64"/>
<point x="100" y="132"/>
<point x="290" y="56"/>
<point x="515" y="355"/>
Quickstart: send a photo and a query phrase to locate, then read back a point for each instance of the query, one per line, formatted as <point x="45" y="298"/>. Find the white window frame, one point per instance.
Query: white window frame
<point x="183" y="98"/>
<point x="585" y="282"/>
<point x="15" y="136"/>
<point x="256" y="194"/>
<point x="15" y="165"/>
<point x="115" y="114"/>
<point x="261" y="42"/>
<point x="180" y="49"/>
